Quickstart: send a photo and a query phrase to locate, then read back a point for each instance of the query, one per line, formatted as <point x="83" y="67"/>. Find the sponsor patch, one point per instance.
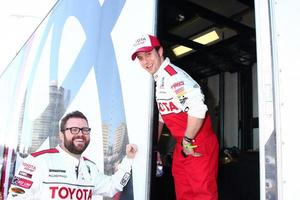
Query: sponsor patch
<point x="125" y="179"/>
<point x="25" y="174"/>
<point x="57" y="170"/>
<point x="180" y="91"/>
<point x="57" y="175"/>
<point x="17" y="190"/>
<point x="177" y="84"/>
<point x="29" y="167"/>
<point x="182" y="100"/>
<point x="21" y="182"/>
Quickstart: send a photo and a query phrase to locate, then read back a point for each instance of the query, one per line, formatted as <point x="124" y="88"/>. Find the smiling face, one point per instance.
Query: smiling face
<point x="75" y="143"/>
<point x="151" y="60"/>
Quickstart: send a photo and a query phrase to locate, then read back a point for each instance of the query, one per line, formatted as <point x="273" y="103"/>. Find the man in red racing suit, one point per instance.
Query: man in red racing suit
<point x="181" y="106"/>
<point x="63" y="173"/>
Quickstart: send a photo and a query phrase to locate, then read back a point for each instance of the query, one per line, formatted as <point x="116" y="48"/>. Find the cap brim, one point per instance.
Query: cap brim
<point x="142" y="49"/>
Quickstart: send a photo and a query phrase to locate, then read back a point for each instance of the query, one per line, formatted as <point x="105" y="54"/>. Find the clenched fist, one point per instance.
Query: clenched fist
<point x="131" y="150"/>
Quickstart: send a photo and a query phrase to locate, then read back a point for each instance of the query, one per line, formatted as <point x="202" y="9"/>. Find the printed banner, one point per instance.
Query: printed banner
<point x="79" y="59"/>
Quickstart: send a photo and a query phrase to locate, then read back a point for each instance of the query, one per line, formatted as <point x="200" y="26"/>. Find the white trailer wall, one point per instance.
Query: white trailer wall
<point x="278" y="62"/>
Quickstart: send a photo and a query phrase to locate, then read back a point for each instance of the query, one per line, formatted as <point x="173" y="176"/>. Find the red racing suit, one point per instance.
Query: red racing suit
<point x="177" y="96"/>
<point x="55" y="174"/>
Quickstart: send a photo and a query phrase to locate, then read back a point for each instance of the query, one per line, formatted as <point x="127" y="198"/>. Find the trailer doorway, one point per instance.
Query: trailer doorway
<point x="226" y="69"/>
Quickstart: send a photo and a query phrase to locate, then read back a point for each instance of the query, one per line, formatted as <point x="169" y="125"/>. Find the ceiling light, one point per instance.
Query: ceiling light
<point x="207" y="38"/>
<point x="203" y="39"/>
<point x="180" y="50"/>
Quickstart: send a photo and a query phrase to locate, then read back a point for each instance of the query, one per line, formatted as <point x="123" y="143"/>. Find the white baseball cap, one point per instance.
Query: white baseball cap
<point x="145" y="43"/>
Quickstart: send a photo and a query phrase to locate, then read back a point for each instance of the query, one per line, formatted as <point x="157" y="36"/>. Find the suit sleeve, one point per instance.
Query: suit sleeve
<point x="110" y="185"/>
<point x="189" y="94"/>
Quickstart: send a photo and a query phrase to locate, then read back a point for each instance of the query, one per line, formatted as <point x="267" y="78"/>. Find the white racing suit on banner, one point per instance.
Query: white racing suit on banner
<point x="54" y="174"/>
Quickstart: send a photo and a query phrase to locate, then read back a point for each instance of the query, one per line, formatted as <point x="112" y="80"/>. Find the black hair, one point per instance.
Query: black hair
<point x="74" y="114"/>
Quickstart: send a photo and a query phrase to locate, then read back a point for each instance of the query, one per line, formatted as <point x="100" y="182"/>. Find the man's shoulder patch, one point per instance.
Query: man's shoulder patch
<point x="170" y="70"/>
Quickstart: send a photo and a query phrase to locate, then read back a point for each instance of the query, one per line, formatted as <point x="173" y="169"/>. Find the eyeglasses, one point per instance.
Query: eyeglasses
<point x="76" y="130"/>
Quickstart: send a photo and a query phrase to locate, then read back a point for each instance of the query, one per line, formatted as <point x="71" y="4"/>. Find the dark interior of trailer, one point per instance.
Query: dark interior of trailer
<point x="181" y="22"/>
